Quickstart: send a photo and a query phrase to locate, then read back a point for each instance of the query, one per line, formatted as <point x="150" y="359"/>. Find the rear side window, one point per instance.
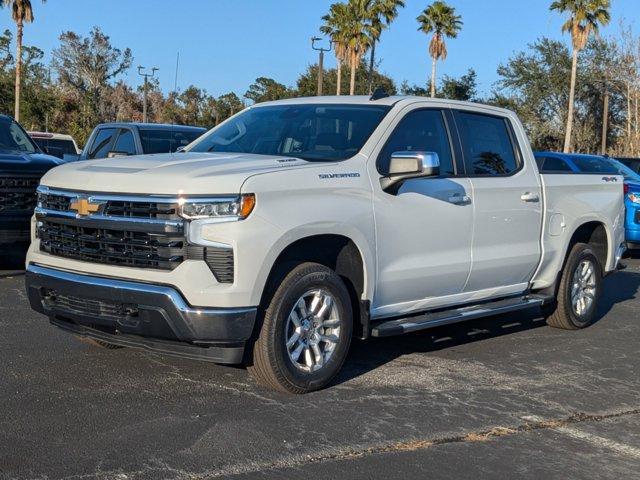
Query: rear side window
<point x="102" y="143"/>
<point x="486" y="144"/>
<point x="165" y="141"/>
<point x="552" y="164"/>
<point x="594" y="165"/>
<point x="125" y="144"/>
<point x="66" y="146"/>
<point x="420" y="131"/>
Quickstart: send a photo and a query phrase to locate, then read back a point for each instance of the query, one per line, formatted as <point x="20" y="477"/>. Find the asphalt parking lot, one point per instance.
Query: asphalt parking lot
<point x="505" y="397"/>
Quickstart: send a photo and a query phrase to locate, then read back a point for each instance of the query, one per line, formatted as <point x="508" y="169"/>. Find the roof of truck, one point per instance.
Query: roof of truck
<point x="149" y="126"/>
<point x="388" y="101"/>
<point x="52" y="135"/>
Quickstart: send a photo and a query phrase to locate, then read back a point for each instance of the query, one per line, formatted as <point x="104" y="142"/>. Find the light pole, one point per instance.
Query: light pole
<point x="144" y="91"/>
<point x="605" y="120"/>
<point x="606" y="92"/>
<point x="320" y="61"/>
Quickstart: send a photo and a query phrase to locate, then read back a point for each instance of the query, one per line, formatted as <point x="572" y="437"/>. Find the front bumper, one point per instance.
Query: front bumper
<point x="150" y="316"/>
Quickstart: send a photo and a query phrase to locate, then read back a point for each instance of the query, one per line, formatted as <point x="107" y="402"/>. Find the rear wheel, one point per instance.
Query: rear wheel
<point x="306" y="331"/>
<point x="580" y="285"/>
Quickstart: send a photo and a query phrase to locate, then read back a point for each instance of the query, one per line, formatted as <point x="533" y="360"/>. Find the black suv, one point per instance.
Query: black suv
<point x="22" y="164"/>
<point x="120" y="139"/>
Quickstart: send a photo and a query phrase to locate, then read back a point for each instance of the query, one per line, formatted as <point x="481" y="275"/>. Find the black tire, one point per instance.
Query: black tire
<point x="271" y="364"/>
<point x="562" y="313"/>
<point x="100" y="343"/>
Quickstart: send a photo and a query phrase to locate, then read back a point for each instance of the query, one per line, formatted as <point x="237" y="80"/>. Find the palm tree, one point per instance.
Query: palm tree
<point x="585" y="18"/>
<point x="358" y="33"/>
<point x="381" y="14"/>
<point x="441" y="20"/>
<point x="335" y="26"/>
<point x="21" y="12"/>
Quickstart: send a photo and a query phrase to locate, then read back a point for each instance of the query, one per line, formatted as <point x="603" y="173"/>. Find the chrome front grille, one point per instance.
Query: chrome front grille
<point x="18" y="194"/>
<point x="123" y="230"/>
<point x="113" y="206"/>
<point x="141" y="209"/>
<point x="112" y="246"/>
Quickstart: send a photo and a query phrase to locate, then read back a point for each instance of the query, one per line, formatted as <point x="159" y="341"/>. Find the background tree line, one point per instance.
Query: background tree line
<point x="84" y="82"/>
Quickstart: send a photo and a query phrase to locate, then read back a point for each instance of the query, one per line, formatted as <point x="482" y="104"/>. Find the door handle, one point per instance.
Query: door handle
<point x="459" y="199"/>
<point x="529" y="197"/>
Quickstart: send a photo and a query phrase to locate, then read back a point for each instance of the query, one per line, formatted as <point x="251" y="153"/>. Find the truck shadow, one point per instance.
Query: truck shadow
<point x="12" y="258"/>
<point x="374" y="353"/>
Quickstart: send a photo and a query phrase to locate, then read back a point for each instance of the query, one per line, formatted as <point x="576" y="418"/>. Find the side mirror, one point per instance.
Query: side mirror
<point x="406" y="165"/>
<point x="54" y="152"/>
<point x="117" y="154"/>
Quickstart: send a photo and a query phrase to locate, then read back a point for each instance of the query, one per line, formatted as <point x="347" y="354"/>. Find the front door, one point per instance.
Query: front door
<point x="424" y="231"/>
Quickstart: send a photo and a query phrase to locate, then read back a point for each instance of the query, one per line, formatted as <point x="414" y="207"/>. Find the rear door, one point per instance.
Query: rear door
<point x="508" y="204"/>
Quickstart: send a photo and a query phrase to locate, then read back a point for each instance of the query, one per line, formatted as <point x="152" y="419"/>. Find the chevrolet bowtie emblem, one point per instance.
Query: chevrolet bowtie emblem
<point x="83" y="207"/>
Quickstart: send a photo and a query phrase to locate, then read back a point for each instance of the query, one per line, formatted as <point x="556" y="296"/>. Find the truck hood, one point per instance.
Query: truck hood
<point x="20" y="162"/>
<point x="167" y="173"/>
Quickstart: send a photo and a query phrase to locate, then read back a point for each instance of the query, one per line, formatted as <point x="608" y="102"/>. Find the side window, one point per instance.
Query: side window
<point x="157" y="141"/>
<point x="486" y="144"/>
<point x="125" y="143"/>
<point x="552" y="164"/>
<point x="102" y="143"/>
<point x="540" y="162"/>
<point x="420" y="131"/>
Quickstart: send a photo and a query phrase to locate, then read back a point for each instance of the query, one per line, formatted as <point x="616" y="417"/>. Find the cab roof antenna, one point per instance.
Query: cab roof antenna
<point x="379" y="93"/>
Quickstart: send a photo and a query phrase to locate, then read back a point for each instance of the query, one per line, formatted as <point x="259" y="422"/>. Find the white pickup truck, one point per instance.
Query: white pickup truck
<point x="296" y="225"/>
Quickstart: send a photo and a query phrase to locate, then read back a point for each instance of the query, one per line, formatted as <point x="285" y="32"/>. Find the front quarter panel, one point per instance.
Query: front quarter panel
<point x="330" y="198"/>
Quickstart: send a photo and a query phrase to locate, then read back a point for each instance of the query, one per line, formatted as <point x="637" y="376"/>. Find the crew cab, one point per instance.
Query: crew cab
<point x="297" y="225"/>
<point x="22" y="164"/>
<point x="121" y="139"/>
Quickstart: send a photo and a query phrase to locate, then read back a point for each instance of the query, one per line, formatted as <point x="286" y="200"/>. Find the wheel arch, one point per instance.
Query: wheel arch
<point x="594" y="233"/>
<point x="338" y="251"/>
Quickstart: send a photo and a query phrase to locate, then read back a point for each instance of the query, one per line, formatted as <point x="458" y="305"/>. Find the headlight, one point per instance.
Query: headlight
<point x="634" y="197"/>
<point x="224" y="209"/>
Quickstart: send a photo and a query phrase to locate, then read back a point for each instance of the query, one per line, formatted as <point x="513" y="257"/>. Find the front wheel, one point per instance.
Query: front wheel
<point x="306" y="332"/>
<point x="580" y="285"/>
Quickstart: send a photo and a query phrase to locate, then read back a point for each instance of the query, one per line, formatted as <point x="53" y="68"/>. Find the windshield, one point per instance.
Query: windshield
<point x="310" y="132"/>
<point x="13" y="138"/>
<point x="605" y="165"/>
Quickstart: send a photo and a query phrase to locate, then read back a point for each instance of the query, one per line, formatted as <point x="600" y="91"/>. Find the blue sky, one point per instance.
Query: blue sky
<point x="225" y="44"/>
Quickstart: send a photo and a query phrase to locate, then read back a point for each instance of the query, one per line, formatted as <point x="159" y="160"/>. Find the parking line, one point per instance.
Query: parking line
<point x="590" y="438"/>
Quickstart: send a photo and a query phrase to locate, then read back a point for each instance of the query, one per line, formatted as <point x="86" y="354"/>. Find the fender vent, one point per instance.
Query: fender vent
<point x="219" y="260"/>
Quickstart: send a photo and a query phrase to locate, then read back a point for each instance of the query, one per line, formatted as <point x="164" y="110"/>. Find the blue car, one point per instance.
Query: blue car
<point x="553" y="162"/>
